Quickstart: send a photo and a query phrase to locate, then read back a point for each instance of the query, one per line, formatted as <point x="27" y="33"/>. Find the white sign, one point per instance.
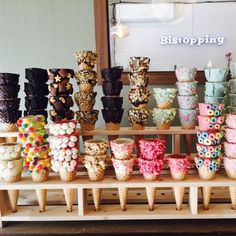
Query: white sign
<point x="192" y="41"/>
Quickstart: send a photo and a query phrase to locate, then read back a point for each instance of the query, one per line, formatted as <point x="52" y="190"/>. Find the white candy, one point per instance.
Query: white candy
<point x="73" y="163"/>
<point x="61" y="158"/>
<point x="62" y="132"/>
<point x="63" y="145"/>
<point x="64" y="126"/>
<point x="74" y="156"/>
<point x="70" y="168"/>
<point x="72" y="125"/>
<point x="65" y="164"/>
<point x="74" y="150"/>
<point x="69" y="131"/>
<point x="73" y="138"/>
<point x="68" y="158"/>
<point x="65" y="140"/>
<point x="55" y="169"/>
<point x="71" y="144"/>
<point x="68" y="152"/>
<point x="2" y="150"/>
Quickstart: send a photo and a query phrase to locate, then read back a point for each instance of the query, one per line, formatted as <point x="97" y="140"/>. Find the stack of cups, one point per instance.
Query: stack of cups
<point x="11" y="164"/>
<point x="151" y="163"/>
<point x="64" y="145"/>
<point x="230" y="154"/>
<point x="123" y="163"/>
<point x="216" y="85"/>
<point x="187" y="96"/>
<point x="35" y="150"/>
<point x="9" y="102"/>
<point x="112" y="102"/>
<point x="85" y="99"/>
<point x="36" y="91"/>
<point x="232" y="83"/>
<point x="163" y="115"/>
<point x="95" y="160"/>
<point x="179" y="165"/>
<point x="209" y="145"/>
<point x="60" y="101"/>
<point x="139" y="94"/>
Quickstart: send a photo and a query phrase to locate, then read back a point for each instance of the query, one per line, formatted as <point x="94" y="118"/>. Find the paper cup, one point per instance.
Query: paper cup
<point x="216" y="74"/>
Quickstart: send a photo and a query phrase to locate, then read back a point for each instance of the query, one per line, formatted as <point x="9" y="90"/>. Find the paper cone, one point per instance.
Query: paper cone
<point x="96" y="197"/>
<point x="123" y="193"/>
<point x="151" y="191"/>
<point x="69" y="196"/>
<point x="232" y="191"/>
<point x="179" y="195"/>
<point x="11" y="139"/>
<point x="42" y="197"/>
<point x="13" y="198"/>
<point x="206" y="195"/>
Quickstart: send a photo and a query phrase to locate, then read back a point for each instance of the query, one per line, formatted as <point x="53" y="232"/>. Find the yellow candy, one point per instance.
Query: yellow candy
<point x="208" y="154"/>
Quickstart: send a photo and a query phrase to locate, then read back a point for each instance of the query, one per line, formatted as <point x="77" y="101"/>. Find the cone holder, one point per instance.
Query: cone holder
<point x="124" y="206"/>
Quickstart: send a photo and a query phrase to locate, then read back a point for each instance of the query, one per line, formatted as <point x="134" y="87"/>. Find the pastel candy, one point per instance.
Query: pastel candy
<point x="231" y="121"/>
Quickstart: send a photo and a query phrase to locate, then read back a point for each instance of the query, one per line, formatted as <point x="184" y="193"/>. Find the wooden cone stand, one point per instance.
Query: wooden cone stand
<point x="13" y="198"/>
<point x="42" y="197"/>
<point x="97" y="192"/>
<point x="151" y="192"/>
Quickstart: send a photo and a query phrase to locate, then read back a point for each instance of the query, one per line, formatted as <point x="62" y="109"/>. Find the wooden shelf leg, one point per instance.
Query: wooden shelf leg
<point x="176" y="143"/>
<point x="193" y="200"/>
<point x="82" y="201"/>
<point x="188" y="143"/>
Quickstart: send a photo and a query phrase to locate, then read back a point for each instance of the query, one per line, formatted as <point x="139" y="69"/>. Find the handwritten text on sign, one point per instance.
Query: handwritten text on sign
<point x="192" y="41"/>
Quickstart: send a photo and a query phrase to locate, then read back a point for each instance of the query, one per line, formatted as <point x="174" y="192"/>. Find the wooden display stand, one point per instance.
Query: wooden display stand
<point x="192" y="209"/>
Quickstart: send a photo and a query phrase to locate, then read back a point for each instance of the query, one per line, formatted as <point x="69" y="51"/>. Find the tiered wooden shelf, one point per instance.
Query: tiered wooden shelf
<point x="192" y="209"/>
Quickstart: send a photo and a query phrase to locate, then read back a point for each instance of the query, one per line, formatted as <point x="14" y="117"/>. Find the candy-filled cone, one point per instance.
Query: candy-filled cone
<point x="179" y="195"/>
<point x="11" y="139"/>
<point x="151" y="191"/>
<point x="67" y="176"/>
<point x="13" y="198"/>
<point x="206" y="195"/>
<point x="232" y="192"/>
<point x="205" y="174"/>
<point x="69" y="197"/>
<point x="40" y="177"/>
<point x="96" y="197"/>
<point x="123" y="193"/>
<point x="165" y="125"/>
<point x="96" y="174"/>
<point x="42" y="197"/>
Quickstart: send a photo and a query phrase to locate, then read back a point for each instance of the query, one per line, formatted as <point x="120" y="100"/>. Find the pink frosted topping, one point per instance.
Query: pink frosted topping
<point x="230" y="135"/>
<point x="178" y="163"/>
<point x="152" y="148"/>
<point x="122" y="147"/>
<point x="231" y="121"/>
<point x="150" y="166"/>
<point x="230" y="164"/>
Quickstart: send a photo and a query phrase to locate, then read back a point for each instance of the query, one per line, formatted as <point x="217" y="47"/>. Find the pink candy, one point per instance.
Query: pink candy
<point x="150" y="166"/>
<point x="231" y="121"/>
<point x="178" y="163"/>
<point x="230" y="135"/>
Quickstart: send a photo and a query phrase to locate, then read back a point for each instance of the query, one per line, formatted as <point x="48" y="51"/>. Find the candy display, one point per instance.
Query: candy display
<point x="210" y="137"/>
<point x="112" y="102"/>
<point x="60" y="101"/>
<point x="163" y="117"/>
<point x="164" y="97"/>
<point x="85" y="99"/>
<point x="139" y="94"/>
<point x="209" y="151"/>
<point x="179" y="165"/>
<point x="31" y="123"/>
<point x="36" y="91"/>
<point x="210" y="122"/>
<point x="9" y="103"/>
<point x="185" y="74"/>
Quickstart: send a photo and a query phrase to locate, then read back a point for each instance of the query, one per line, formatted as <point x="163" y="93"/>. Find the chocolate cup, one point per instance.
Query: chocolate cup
<point x="112" y="102"/>
<point x="112" y="88"/>
<point x="61" y="102"/>
<point x="35" y="90"/>
<point x="9" y="92"/>
<point x="36" y="112"/>
<point x="9" y="78"/>
<point x="10" y="104"/>
<point x="63" y="73"/>
<point x="60" y="89"/>
<point x="112" y="74"/>
<point x="9" y="116"/>
<point x="36" y="75"/>
<point x="61" y="115"/>
<point x="36" y="102"/>
<point x="113" y="115"/>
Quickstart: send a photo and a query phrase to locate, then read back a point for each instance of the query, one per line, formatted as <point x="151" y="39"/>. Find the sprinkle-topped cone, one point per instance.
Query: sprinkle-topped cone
<point x="42" y="196"/>
<point x="206" y="195"/>
<point x="151" y="192"/>
<point x="13" y="198"/>
<point x="232" y="191"/>
<point x="123" y="193"/>
<point x="69" y="197"/>
<point x="96" y="197"/>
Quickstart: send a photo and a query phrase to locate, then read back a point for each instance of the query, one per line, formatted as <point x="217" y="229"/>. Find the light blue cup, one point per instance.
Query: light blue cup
<point x="232" y="84"/>
<point x="216" y="89"/>
<point x="216" y="75"/>
<point x="233" y="69"/>
<point x="215" y="100"/>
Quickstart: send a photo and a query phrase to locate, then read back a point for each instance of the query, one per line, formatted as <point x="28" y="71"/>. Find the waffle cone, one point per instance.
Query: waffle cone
<point x="141" y="106"/>
<point x="69" y="197"/>
<point x="8" y="127"/>
<point x="96" y="174"/>
<point x="85" y="87"/>
<point x="40" y="177"/>
<point x="13" y="198"/>
<point x="96" y="197"/>
<point x="232" y="192"/>
<point x="88" y="107"/>
<point x="123" y="193"/>
<point x="206" y="195"/>
<point x="42" y="197"/>
<point x="151" y="191"/>
<point x="150" y="177"/>
<point x="230" y="173"/>
<point x="11" y="139"/>
<point x="179" y="195"/>
<point x="165" y="105"/>
<point x="67" y="176"/>
<point x="180" y="175"/>
<point x="188" y="126"/>
<point x="13" y="179"/>
<point x="138" y="126"/>
<point x="205" y="174"/>
<point x="165" y="125"/>
<point x="123" y="175"/>
<point x="112" y="126"/>
<point x="87" y="126"/>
